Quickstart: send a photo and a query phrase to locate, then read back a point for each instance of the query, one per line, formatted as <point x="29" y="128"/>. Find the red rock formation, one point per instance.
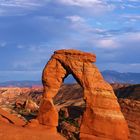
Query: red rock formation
<point x="131" y="111"/>
<point x="102" y="119"/>
<point x="7" y="117"/>
<point x="12" y="132"/>
<point x="14" y="128"/>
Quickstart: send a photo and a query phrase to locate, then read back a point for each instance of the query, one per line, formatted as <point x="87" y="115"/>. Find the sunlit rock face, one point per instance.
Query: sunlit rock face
<point x="102" y="118"/>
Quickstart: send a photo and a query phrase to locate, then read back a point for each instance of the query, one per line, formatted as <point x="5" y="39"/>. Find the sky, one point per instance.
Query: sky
<point x="31" y="30"/>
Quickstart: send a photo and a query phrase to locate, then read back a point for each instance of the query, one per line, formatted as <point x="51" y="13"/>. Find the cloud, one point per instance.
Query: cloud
<point x="133" y="37"/>
<point x="122" y="58"/>
<point x="121" y="67"/>
<point x="125" y="4"/>
<point x="81" y="26"/>
<point x="131" y="17"/>
<point x="36" y="56"/>
<point x="20" y="46"/>
<point x="75" y="18"/>
<point x="107" y="43"/>
<point x="43" y="26"/>
<point x="134" y="1"/>
<point x="96" y="7"/>
<point x="20" y="7"/>
<point x="21" y="3"/>
<point x="82" y="3"/>
<point x="111" y="46"/>
<point x="125" y="53"/>
<point x="3" y="44"/>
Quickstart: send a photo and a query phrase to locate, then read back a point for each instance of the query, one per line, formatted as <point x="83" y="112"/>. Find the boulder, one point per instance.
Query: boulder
<point x="30" y="105"/>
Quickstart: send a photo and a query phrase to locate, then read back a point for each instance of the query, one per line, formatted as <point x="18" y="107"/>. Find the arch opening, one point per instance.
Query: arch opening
<point x="70" y="106"/>
<point x="69" y="80"/>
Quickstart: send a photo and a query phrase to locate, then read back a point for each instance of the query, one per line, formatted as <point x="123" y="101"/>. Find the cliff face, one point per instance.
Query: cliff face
<point x="129" y="100"/>
<point x="131" y="111"/>
<point x="128" y="91"/>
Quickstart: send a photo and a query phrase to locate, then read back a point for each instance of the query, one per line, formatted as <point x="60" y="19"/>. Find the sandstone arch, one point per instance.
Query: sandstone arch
<point x="102" y="119"/>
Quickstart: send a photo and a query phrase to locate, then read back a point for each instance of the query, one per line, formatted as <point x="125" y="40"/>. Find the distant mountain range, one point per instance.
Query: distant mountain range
<point x="117" y="77"/>
<point x="109" y="76"/>
<point x="20" y="83"/>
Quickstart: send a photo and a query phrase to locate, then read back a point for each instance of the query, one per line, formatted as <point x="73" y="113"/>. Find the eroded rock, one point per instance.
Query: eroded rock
<point x="7" y="117"/>
<point x="102" y="118"/>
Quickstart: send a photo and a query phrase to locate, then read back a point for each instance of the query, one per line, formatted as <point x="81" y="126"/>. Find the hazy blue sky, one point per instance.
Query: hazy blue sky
<point x="30" y="30"/>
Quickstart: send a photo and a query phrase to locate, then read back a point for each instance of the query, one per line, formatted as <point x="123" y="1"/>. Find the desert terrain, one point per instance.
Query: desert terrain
<point x="24" y="103"/>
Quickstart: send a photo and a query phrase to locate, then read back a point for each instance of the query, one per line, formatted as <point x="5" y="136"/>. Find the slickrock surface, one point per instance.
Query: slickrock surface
<point x="11" y="132"/>
<point x="5" y="116"/>
<point x="102" y="118"/>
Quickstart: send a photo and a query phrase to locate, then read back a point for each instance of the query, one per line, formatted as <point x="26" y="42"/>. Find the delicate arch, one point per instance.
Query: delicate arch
<point x="102" y="114"/>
